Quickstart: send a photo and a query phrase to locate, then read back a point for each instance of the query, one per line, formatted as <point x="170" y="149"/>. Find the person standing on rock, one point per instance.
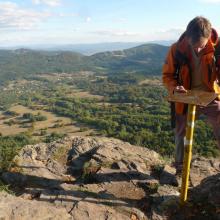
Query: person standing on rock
<point x="192" y="64"/>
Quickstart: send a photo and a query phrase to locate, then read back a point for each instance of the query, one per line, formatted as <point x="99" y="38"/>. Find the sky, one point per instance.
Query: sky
<point x="31" y="22"/>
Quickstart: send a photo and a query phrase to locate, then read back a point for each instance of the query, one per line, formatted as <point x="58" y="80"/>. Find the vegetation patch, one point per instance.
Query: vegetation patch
<point x="129" y="110"/>
<point x="5" y="188"/>
<point x="9" y="148"/>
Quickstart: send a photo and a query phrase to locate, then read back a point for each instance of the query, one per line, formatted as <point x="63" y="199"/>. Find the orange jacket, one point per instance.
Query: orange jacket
<point x="182" y="48"/>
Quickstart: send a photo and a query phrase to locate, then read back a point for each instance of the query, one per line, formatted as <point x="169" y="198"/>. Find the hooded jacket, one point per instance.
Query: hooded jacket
<point x="181" y="51"/>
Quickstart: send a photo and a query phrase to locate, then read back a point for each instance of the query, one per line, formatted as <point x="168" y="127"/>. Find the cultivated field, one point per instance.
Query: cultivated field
<point x="151" y="82"/>
<point x="83" y="94"/>
<point x="52" y="124"/>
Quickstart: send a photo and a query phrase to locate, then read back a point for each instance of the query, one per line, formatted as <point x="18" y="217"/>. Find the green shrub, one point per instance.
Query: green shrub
<point x="9" y="147"/>
<point x="53" y="137"/>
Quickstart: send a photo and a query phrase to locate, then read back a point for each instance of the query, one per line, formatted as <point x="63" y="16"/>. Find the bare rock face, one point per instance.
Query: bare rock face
<point x="206" y="197"/>
<point x="203" y="201"/>
<point x="94" y="178"/>
<point x="12" y="207"/>
<point x="202" y="168"/>
<point x="90" y="178"/>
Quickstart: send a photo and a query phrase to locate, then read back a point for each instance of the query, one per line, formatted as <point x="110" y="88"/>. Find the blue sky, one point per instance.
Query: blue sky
<point x="27" y="22"/>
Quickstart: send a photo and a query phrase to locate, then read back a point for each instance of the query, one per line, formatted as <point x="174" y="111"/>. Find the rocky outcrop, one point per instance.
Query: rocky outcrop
<point x="205" y="198"/>
<point x="12" y="207"/>
<point x="203" y="202"/>
<point x="95" y="178"/>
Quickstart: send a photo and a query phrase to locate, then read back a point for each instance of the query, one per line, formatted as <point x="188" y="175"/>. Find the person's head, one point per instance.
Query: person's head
<point x="198" y="32"/>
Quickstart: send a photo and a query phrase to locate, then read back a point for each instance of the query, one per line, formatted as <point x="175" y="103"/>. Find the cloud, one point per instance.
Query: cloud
<point x="76" y="29"/>
<point x="88" y="19"/>
<point x="120" y="20"/>
<point x="168" y="34"/>
<point x="13" y="16"/>
<point x="115" y="33"/>
<point x="67" y="15"/>
<point x="52" y="3"/>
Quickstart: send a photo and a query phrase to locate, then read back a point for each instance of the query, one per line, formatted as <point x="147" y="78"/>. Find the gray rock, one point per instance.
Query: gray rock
<point x="99" y="178"/>
<point x="168" y="176"/>
<point x="12" y="207"/>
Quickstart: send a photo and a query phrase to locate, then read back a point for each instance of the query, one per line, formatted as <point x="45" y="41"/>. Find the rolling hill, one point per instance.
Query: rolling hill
<point x="147" y="59"/>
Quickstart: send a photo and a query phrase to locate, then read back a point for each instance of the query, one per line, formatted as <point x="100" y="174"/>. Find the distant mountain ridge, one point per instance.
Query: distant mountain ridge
<point x="89" y="48"/>
<point x="85" y="49"/>
<point x="147" y="59"/>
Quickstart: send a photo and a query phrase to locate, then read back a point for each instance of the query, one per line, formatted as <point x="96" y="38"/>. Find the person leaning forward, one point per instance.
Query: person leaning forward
<point x="193" y="58"/>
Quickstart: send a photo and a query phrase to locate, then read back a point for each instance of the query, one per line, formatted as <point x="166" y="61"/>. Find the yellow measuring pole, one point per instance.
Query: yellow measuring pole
<point x="187" y="152"/>
<point x="192" y="98"/>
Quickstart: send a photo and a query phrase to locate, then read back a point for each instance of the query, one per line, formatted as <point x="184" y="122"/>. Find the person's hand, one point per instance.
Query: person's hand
<point x="179" y="89"/>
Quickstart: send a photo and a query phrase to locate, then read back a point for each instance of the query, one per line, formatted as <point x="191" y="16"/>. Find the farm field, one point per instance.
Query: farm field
<point x="52" y="123"/>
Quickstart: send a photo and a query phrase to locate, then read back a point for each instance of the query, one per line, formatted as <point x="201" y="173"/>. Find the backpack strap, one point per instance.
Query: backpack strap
<point x="180" y="60"/>
<point x="217" y="54"/>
